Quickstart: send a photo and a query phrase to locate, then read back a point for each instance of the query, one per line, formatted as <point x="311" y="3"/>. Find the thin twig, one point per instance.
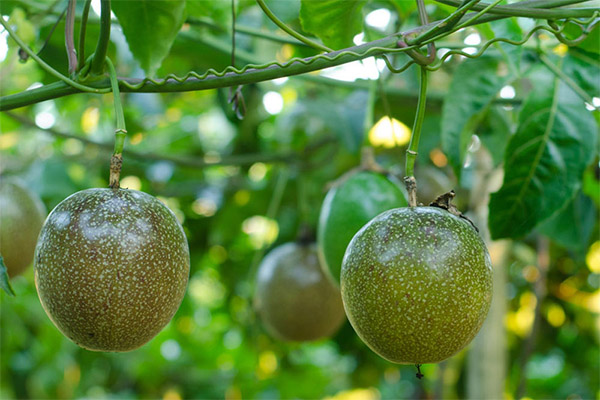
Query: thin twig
<point x="289" y="30"/>
<point x="196" y="162"/>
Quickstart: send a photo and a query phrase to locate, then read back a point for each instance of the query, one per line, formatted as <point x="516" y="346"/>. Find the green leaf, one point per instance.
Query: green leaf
<point x="591" y="44"/>
<point x="544" y="160"/>
<point x="572" y="226"/>
<point x="474" y="85"/>
<point x="584" y="70"/>
<point x="496" y="133"/>
<point x="4" y="282"/>
<point x="335" y="22"/>
<point x="404" y="7"/>
<point x="150" y="26"/>
<point x="287" y="10"/>
<point x="345" y="119"/>
<point x="218" y="11"/>
<point x="591" y="186"/>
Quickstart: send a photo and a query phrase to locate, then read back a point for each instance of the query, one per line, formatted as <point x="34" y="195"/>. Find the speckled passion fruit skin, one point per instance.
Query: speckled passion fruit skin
<point x="294" y="298"/>
<point x="416" y="284"/>
<point x="22" y="214"/>
<point x="111" y="268"/>
<point x="346" y="209"/>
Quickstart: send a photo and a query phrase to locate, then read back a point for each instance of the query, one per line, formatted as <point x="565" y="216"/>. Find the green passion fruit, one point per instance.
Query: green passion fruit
<point x="111" y="268"/>
<point x="347" y="208"/>
<point x="416" y="284"/>
<point x="22" y="214"/>
<point x="294" y="298"/>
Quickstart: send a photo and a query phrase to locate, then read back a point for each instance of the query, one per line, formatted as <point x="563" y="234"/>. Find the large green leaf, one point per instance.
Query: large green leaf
<point x="573" y="225"/>
<point x="335" y="22"/>
<point x="150" y="26"/>
<point x="346" y="118"/>
<point x="544" y="160"/>
<point x="474" y="85"/>
<point x="218" y="11"/>
<point x="584" y="69"/>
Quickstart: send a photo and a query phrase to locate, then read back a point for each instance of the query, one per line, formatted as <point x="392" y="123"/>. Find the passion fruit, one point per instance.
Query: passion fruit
<point x="294" y="298"/>
<point x="111" y="268"/>
<point x="416" y="284"/>
<point x="21" y="217"/>
<point x="347" y="208"/>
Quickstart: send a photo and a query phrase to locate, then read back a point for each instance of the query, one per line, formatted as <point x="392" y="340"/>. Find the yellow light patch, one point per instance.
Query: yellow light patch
<point x="72" y="147"/>
<point x="389" y="133"/>
<point x="8" y="140"/>
<point x="205" y="207"/>
<point x="171" y="394"/>
<point x="72" y="374"/>
<point x="438" y="158"/>
<point x="357" y="394"/>
<point x="218" y="254"/>
<point x="267" y="364"/>
<point x="233" y="393"/>
<point x="241" y="197"/>
<point x="76" y="172"/>
<point x="131" y="182"/>
<point x="173" y="114"/>
<point x="90" y="119"/>
<point x="561" y="50"/>
<point x="257" y="172"/>
<point x="592" y="259"/>
<point x="185" y="325"/>
<point x="289" y="95"/>
<point x="521" y="321"/>
<point x="286" y="52"/>
<point x="530" y="273"/>
<point x="136" y="139"/>
<point x="555" y="315"/>
<point x="262" y="231"/>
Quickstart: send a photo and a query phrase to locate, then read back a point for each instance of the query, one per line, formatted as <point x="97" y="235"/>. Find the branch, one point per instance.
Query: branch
<point x="520" y="9"/>
<point x="171" y="83"/>
<point x="189" y="162"/>
<point x="252" y="75"/>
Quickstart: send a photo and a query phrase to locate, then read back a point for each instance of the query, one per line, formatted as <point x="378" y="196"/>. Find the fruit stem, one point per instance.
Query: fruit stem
<point x="116" y="161"/>
<point x="411" y="152"/>
<point x="419" y="374"/>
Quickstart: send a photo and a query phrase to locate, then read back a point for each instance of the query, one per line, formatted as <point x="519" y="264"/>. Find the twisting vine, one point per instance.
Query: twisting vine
<point x="414" y="39"/>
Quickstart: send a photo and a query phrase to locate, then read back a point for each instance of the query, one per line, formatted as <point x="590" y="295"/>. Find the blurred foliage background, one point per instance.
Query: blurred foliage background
<point x="219" y="175"/>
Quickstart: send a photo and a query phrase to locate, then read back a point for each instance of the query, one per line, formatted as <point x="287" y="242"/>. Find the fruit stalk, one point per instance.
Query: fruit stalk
<point x="413" y="146"/>
<point x="116" y="161"/>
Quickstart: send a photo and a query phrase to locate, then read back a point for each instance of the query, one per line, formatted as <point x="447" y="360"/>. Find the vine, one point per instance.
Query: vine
<point x="408" y="42"/>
